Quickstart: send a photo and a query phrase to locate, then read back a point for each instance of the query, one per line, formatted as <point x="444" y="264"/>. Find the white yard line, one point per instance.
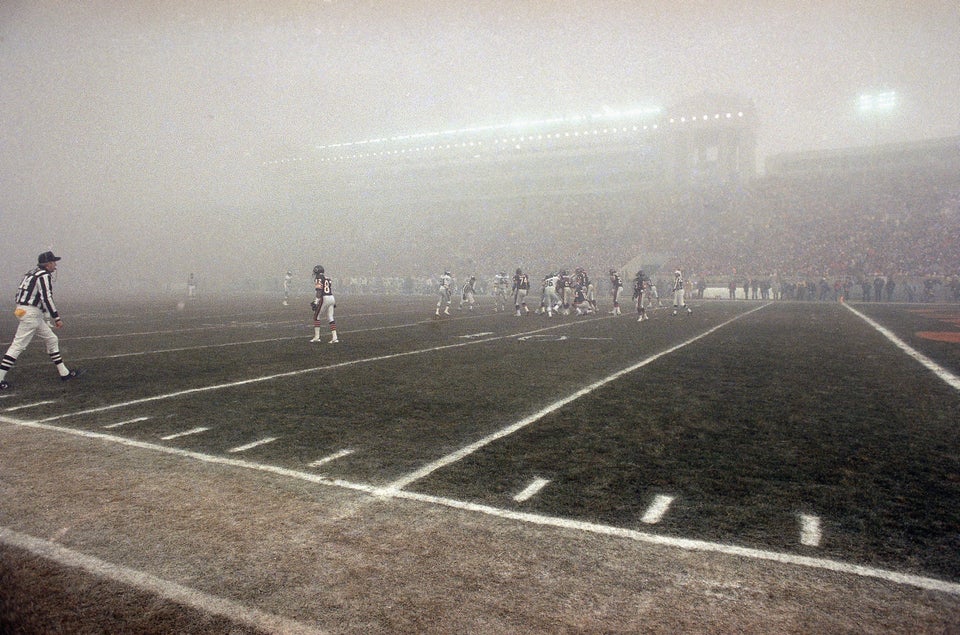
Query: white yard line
<point x="142" y="581"/>
<point x="531" y="490"/>
<point x="948" y="377"/>
<point x="922" y="582"/>
<point x="463" y="452"/>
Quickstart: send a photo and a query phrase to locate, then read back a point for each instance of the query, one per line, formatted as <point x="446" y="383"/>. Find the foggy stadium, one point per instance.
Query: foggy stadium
<point x="763" y="442"/>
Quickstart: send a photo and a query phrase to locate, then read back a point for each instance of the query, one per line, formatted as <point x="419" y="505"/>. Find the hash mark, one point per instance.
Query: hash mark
<point x="531" y="489"/>
<point x="332" y="457"/>
<point x="184" y="433"/>
<point x="810" y="530"/>
<point x="657" y="509"/>
<point x="120" y="423"/>
<point x="254" y="444"/>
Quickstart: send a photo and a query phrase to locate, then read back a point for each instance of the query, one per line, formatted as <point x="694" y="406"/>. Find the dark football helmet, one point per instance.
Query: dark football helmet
<point x="318" y="270"/>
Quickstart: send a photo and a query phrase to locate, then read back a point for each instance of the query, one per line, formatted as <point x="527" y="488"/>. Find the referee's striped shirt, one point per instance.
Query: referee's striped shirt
<point x="36" y="289"/>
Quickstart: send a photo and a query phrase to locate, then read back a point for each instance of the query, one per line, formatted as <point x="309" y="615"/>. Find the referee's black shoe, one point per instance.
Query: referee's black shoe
<point x="73" y="373"/>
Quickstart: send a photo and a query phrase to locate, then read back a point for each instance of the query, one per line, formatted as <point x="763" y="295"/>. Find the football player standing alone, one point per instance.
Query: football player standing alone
<point x="640" y="285"/>
<point x="324" y="301"/>
<point x="34" y="301"/>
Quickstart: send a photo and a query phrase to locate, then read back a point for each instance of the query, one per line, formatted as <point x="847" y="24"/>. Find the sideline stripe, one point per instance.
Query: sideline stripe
<point x="531" y="490"/>
<point x="688" y="544"/>
<point x="922" y="582"/>
<point x="949" y="378"/>
<point x="453" y="457"/>
<point x="140" y="580"/>
<point x="659" y="507"/>
<point x="304" y="371"/>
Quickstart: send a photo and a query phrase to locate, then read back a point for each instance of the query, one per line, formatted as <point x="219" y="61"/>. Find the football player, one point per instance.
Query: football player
<point x="678" y="291"/>
<point x="324" y="301"/>
<point x="446" y="285"/>
<point x="521" y="286"/>
<point x="468" y="293"/>
<point x="501" y="283"/>
<point x="616" y="284"/>
<point x="639" y="286"/>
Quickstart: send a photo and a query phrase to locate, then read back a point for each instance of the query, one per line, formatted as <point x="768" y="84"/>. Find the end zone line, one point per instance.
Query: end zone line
<point x="681" y="543"/>
<point x="463" y="452"/>
<point x="949" y="378"/>
<point x="302" y="371"/>
<point x="142" y="581"/>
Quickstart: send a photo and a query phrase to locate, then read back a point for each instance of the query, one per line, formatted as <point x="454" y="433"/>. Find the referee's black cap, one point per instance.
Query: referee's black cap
<point x="46" y="257"/>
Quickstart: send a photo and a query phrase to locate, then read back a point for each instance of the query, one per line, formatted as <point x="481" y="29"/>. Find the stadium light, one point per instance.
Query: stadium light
<point x="878" y="102"/>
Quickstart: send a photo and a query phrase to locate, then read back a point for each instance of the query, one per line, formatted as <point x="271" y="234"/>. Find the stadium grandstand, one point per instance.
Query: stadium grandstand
<point x="666" y="188"/>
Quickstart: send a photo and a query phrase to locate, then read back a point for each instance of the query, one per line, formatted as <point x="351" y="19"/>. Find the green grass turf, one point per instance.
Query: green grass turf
<point x="796" y="408"/>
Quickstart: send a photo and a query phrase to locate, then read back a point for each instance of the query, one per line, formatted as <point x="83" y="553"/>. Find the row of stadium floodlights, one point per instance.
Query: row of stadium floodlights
<point x="577" y="126"/>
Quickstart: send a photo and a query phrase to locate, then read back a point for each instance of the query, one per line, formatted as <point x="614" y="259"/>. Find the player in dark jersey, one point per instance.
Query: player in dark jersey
<point x="639" y="287"/>
<point x="521" y="286"/>
<point x="323" y="302"/>
<point x="616" y="285"/>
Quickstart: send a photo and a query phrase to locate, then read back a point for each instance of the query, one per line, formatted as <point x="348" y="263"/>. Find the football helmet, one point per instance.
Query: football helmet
<point x="318" y="270"/>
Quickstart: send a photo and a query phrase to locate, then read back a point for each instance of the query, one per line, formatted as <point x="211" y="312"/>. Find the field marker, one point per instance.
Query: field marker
<point x="243" y="448"/>
<point x="659" y="507"/>
<point x="332" y="457"/>
<point x="949" y="378"/>
<point x="122" y="423"/>
<point x="472" y="335"/>
<point x="184" y="433"/>
<point x="687" y="544"/>
<point x="29" y="405"/>
<point x="203" y="602"/>
<point x="810" y="530"/>
<point x="453" y="457"/>
<point x="531" y="490"/>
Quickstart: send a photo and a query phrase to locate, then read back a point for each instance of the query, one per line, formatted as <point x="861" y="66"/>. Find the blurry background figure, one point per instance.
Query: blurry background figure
<point x="286" y="288"/>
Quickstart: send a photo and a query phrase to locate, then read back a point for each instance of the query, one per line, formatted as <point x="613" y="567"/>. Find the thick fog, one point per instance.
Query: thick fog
<point x="135" y="133"/>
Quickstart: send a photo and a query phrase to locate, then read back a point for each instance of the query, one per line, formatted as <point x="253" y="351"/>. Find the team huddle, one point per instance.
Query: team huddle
<point x="561" y="293"/>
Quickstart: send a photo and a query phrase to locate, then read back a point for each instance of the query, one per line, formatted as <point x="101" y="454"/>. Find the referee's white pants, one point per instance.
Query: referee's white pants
<point x="678" y="298"/>
<point x="32" y="323"/>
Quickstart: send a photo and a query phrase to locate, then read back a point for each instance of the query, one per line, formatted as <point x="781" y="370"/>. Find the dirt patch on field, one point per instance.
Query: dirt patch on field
<point x="341" y="561"/>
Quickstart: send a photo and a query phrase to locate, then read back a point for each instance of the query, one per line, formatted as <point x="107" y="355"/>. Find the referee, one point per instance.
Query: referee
<point x="34" y="302"/>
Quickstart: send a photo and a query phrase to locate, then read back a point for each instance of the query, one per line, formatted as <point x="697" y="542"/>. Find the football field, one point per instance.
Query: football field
<point x="800" y="438"/>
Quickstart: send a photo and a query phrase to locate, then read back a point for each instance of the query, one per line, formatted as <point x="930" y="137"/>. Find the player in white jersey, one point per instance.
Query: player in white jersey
<point x="501" y="284"/>
<point x="550" y="298"/>
<point x="443" y="291"/>
<point x="678" y="292"/>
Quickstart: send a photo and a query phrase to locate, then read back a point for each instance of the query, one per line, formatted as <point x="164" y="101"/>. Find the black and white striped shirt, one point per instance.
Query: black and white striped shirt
<point x="36" y="289"/>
